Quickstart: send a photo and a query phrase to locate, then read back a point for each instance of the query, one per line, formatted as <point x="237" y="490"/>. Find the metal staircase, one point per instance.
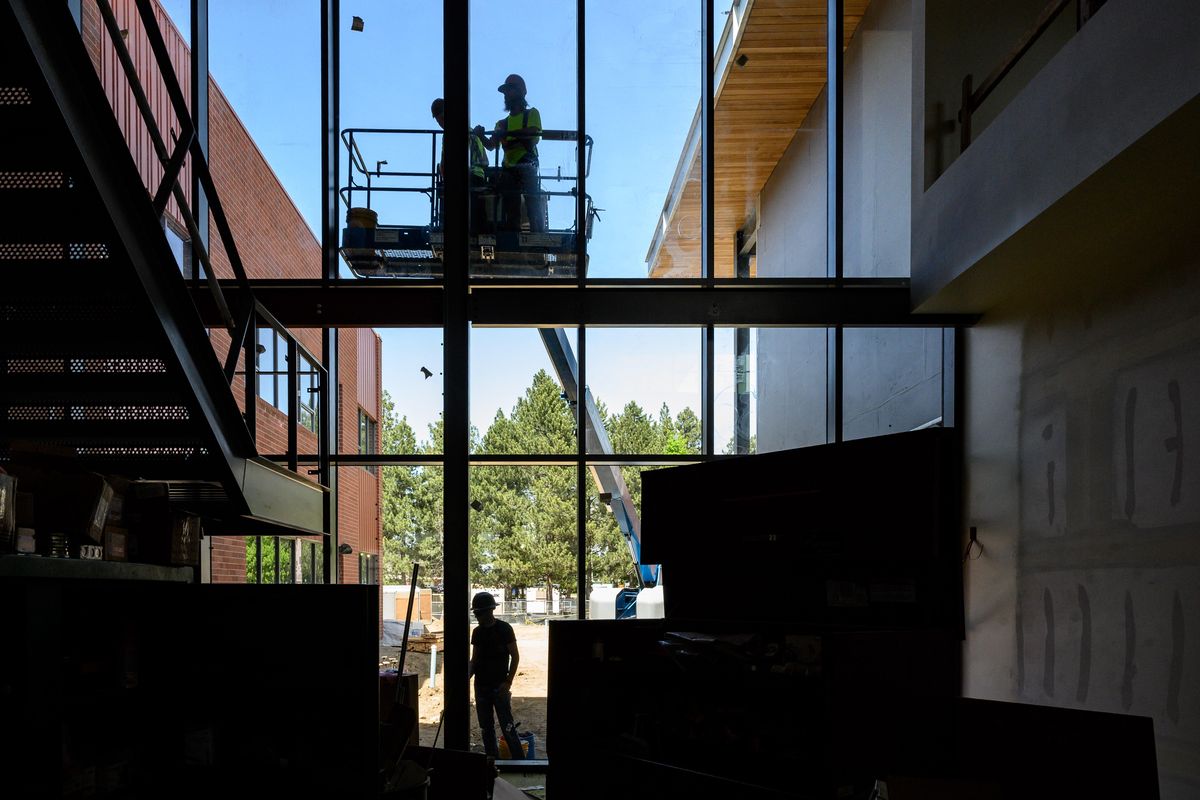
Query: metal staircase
<point x="103" y="356"/>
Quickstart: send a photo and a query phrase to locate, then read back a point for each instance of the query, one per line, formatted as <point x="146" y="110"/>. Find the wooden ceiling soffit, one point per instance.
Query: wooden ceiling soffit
<point x="758" y="108"/>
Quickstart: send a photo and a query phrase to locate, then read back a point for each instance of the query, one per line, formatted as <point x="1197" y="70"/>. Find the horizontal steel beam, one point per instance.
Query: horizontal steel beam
<point x="780" y="304"/>
<point x="488" y="460"/>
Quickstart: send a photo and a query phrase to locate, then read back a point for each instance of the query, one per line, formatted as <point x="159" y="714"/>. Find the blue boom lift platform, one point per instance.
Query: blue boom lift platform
<point x="498" y="247"/>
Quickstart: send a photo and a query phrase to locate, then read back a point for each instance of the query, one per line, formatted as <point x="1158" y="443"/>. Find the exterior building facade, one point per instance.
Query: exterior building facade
<point x="273" y="241"/>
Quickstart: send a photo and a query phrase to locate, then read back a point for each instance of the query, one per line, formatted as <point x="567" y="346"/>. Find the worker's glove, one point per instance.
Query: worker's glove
<point x="478" y="130"/>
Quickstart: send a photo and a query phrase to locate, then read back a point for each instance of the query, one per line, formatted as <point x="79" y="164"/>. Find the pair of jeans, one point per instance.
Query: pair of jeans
<point x="497" y="699"/>
<point x="515" y="183"/>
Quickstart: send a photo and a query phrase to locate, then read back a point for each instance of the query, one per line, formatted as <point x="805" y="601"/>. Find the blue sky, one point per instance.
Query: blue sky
<point x="643" y="75"/>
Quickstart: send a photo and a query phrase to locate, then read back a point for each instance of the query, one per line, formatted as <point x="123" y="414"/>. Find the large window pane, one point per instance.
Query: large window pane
<point x="410" y="418"/>
<point x="410" y="509"/>
<point x="643" y="85"/>
<point x="523" y="200"/>
<point x="519" y="403"/>
<point x="646" y="382"/>
<point x="265" y="131"/>
<point x="735" y="393"/>
<point x="770" y="140"/>
<point x="522" y="550"/>
<point x="391" y="72"/>
<point x="893" y="380"/>
<point x="791" y="388"/>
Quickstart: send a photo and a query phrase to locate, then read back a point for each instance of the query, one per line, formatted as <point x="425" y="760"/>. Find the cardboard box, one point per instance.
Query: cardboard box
<point x="185" y="540"/>
<point x="115" y="543"/>
<point x="74" y="503"/>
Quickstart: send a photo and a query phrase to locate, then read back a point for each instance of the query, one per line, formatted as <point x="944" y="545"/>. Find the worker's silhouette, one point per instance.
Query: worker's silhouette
<point x="519" y="134"/>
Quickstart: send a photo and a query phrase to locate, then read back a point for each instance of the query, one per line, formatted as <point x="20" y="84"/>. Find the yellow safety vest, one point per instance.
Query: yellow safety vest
<point x="479" y="157"/>
<point x="519" y="148"/>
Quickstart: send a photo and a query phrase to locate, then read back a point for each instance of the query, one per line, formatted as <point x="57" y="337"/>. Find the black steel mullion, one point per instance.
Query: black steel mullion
<point x="250" y="395"/>
<point x="581" y="474"/>
<point x="293" y="406"/>
<point x="707" y="223"/>
<point x="330" y="99"/>
<point x="581" y="221"/>
<point x="456" y="335"/>
<point x="835" y="191"/>
<point x="199" y="79"/>
<point x="707" y="143"/>
<point x="708" y="379"/>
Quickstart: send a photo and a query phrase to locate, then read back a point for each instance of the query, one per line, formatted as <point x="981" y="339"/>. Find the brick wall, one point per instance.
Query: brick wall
<point x="273" y="241"/>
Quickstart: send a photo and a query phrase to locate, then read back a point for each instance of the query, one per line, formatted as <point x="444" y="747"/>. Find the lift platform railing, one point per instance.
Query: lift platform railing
<point x="364" y="180"/>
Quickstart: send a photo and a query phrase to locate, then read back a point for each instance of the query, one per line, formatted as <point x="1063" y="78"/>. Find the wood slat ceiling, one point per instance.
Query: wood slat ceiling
<point x="758" y="109"/>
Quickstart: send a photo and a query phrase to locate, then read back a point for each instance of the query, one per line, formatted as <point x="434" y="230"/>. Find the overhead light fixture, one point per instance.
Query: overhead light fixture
<point x="478" y="506"/>
<point x="356" y="24"/>
<point x="345" y="549"/>
<point x="260" y="348"/>
<point x="426" y="373"/>
<point x="742" y="60"/>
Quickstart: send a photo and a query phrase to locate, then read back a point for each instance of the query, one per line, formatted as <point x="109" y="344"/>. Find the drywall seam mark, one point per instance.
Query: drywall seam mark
<point x="1174" y="444"/>
<point x="1085" y="646"/>
<point x="1175" y="680"/>
<point x="1130" y="647"/>
<point x="1020" y="652"/>
<point x="1047" y="435"/>
<point x="1048" y="669"/>
<point x="1130" y="493"/>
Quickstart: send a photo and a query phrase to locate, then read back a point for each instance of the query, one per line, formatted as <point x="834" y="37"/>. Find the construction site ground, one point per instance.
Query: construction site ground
<point x="528" y="691"/>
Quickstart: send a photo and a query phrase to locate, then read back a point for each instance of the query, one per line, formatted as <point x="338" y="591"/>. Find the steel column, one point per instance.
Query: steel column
<point x="330" y="77"/>
<point x="327" y="447"/>
<point x="456" y="335"/>
<point x="581" y="417"/>
<point x="199" y="87"/>
<point x="581" y="470"/>
<point x="834" y="266"/>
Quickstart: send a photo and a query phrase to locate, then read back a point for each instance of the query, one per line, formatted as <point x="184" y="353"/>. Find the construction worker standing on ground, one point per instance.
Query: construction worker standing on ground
<point x="519" y="134"/>
<point x="494" y="659"/>
<point x="479" y="162"/>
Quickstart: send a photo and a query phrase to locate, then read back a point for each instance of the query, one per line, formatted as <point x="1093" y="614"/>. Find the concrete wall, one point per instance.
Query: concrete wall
<point x="892" y="377"/>
<point x="1130" y="68"/>
<point x="1083" y="445"/>
<point x="973" y="38"/>
<point x="877" y="143"/>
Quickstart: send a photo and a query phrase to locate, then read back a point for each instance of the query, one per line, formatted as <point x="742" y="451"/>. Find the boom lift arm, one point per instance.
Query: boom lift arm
<point x="608" y="478"/>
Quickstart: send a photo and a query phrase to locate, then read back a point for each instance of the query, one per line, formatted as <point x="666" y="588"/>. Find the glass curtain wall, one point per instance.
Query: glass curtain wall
<point x="535" y="488"/>
<point x="390" y="146"/>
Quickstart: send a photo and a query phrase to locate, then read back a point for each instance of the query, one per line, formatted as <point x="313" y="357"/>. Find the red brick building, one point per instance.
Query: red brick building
<point x="273" y="241"/>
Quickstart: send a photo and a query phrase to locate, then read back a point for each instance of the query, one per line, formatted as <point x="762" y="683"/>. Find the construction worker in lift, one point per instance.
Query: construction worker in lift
<point x="519" y="134"/>
<point x="494" y="659"/>
<point x="479" y="162"/>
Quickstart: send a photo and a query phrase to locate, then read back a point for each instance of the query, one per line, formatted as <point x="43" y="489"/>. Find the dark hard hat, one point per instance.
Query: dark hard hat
<point x="513" y="81"/>
<point x="438" y="107"/>
<point x="483" y="601"/>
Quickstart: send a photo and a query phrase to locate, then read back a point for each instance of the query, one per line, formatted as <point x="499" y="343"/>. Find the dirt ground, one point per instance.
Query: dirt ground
<point x="529" y="689"/>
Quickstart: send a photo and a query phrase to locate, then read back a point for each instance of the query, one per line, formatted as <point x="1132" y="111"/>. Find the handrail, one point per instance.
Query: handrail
<point x="973" y="98"/>
<point x="169" y="186"/>
<point x="357" y="165"/>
